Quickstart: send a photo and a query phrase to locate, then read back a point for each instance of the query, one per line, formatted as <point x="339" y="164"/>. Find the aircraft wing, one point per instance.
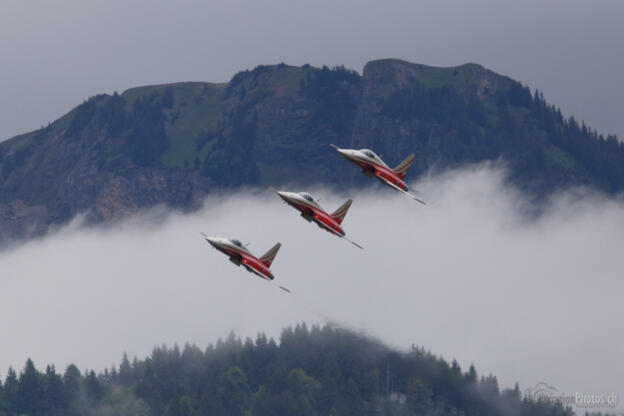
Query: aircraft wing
<point x="390" y="184"/>
<point x="256" y="272"/>
<point x="343" y="237"/>
<point x="266" y="278"/>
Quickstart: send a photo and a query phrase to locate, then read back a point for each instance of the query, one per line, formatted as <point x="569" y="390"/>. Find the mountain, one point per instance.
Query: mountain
<point x="174" y="144"/>
<point x="322" y="371"/>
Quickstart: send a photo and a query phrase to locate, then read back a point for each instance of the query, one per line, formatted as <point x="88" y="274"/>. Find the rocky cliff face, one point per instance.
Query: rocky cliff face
<point x="173" y="144"/>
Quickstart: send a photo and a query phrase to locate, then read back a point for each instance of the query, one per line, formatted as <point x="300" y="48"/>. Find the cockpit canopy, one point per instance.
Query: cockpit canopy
<point x="236" y="242"/>
<point x="307" y="196"/>
<point x="369" y="153"/>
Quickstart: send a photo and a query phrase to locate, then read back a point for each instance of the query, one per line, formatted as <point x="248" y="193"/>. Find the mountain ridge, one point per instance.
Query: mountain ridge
<point x="174" y="143"/>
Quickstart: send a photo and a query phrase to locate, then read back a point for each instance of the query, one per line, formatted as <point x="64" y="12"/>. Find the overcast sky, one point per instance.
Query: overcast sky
<point x="53" y="55"/>
<point x="466" y="276"/>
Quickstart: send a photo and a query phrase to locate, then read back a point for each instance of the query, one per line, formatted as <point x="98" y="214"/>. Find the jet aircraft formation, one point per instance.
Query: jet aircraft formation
<point x="311" y="211"/>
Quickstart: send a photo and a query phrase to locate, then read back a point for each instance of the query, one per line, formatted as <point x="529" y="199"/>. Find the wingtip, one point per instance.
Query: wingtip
<point x="412" y="196"/>
<point x="353" y="242"/>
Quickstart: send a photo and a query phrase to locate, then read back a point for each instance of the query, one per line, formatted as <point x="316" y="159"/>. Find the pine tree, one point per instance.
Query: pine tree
<point x="29" y="390"/>
<point x="125" y="371"/>
<point x="93" y="388"/>
<point x="53" y="391"/>
<point x="72" y="384"/>
<point x="10" y="394"/>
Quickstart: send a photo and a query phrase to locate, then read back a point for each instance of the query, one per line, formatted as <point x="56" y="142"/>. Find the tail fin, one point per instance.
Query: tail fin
<point x="340" y="213"/>
<point x="269" y="256"/>
<point x="404" y="166"/>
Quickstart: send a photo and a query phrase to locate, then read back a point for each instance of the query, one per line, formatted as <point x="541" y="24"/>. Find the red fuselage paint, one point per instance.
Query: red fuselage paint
<point x="379" y="170"/>
<point x="247" y="260"/>
<point x="317" y="215"/>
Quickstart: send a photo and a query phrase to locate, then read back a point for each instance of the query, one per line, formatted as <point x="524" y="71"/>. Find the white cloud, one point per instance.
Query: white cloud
<point x="467" y="276"/>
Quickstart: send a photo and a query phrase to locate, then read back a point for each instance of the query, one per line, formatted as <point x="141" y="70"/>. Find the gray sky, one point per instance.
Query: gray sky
<point x="465" y="276"/>
<point x="53" y="55"/>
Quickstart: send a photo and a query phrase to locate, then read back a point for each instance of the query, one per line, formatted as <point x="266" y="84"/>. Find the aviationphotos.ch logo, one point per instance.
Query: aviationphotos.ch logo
<point x="545" y="393"/>
<point x="542" y="392"/>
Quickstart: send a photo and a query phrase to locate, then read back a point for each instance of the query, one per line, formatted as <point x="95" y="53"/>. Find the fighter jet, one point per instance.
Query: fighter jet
<point x="374" y="167"/>
<point x="311" y="211"/>
<point x="239" y="255"/>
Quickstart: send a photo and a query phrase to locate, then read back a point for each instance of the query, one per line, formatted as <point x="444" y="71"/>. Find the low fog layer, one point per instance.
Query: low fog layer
<point x="467" y="276"/>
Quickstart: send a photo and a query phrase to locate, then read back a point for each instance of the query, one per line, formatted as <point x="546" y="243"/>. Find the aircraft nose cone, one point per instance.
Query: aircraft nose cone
<point x="284" y="195"/>
<point x="211" y="240"/>
<point x="345" y="152"/>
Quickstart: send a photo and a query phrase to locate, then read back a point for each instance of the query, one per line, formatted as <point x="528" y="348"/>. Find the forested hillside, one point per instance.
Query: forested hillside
<point x="322" y="371"/>
<point x="174" y="144"/>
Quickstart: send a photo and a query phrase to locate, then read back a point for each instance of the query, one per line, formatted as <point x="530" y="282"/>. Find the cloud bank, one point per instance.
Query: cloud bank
<point x="469" y="276"/>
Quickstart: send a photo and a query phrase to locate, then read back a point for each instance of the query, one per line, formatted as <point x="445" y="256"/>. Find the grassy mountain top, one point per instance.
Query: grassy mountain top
<point x="432" y="76"/>
<point x="175" y="143"/>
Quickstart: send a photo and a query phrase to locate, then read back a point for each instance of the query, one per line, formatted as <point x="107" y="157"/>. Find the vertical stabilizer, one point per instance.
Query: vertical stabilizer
<point x="269" y="256"/>
<point x="340" y="213"/>
<point x="404" y="166"/>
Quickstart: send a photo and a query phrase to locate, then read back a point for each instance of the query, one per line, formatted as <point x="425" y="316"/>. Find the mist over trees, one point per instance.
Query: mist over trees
<point x="318" y="371"/>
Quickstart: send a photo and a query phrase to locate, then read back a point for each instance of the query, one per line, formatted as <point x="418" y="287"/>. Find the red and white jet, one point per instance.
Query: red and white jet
<point x="374" y="167"/>
<point x="311" y="211"/>
<point x="239" y="255"/>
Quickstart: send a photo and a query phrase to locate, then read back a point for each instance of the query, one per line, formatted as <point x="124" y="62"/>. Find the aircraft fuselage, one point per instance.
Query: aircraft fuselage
<point x="240" y="256"/>
<point x="312" y="212"/>
<point x="373" y="167"/>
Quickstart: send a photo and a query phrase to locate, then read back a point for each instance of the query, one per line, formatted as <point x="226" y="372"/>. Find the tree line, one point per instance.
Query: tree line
<point x="318" y="371"/>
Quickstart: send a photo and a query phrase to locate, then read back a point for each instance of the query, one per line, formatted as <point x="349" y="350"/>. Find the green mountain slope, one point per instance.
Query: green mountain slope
<point x="173" y="144"/>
